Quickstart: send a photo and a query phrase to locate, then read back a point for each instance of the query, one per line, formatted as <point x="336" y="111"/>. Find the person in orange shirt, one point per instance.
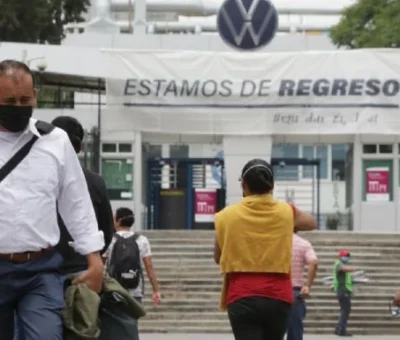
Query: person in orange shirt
<point x="253" y="248"/>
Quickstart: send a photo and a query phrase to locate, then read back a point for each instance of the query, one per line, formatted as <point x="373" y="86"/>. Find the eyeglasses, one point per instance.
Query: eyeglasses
<point x="394" y="310"/>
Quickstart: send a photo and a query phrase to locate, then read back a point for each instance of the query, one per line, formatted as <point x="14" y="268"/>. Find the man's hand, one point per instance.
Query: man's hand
<point x="156" y="298"/>
<point x="305" y="292"/>
<point x="396" y="299"/>
<point x="93" y="276"/>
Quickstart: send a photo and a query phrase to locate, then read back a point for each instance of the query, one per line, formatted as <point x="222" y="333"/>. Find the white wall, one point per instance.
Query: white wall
<point x="209" y="42"/>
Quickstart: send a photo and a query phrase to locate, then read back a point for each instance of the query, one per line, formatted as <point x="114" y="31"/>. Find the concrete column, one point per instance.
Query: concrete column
<point x="380" y="216"/>
<point x="238" y="150"/>
<point x="137" y="181"/>
<point x="396" y="184"/>
<point x="140" y="19"/>
<point x="357" y="183"/>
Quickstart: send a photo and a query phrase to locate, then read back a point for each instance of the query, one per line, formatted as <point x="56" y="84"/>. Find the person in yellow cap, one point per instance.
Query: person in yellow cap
<point x="343" y="288"/>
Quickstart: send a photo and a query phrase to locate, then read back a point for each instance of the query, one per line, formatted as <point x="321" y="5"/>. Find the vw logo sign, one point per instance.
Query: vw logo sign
<point x="247" y="24"/>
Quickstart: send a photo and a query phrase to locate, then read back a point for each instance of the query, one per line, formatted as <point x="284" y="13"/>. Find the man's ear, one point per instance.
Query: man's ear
<point x="34" y="104"/>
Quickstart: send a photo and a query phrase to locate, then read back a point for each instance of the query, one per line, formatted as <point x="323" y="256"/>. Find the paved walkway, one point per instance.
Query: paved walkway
<point x="230" y="337"/>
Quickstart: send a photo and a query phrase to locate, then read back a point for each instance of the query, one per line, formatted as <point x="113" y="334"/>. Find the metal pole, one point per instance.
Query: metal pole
<point x="140" y="22"/>
<point x="98" y="147"/>
<point x="318" y="194"/>
<point x="99" y="104"/>
<point x="137" y="180"/>
<point x="130" y="17"/>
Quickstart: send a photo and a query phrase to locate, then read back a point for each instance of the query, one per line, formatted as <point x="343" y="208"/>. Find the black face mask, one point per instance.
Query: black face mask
<point x="15" y="118"/>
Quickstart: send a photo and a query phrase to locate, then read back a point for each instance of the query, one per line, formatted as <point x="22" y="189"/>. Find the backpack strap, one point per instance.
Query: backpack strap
<point x="135" y="237"/>
<point x="44" y="128"/>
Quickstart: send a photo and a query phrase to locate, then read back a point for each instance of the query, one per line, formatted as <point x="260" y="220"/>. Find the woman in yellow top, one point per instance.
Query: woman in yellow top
<point x="253" y="247"/>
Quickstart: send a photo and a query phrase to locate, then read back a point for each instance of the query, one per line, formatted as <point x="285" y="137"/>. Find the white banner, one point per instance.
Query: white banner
<point x="338" y="92"/>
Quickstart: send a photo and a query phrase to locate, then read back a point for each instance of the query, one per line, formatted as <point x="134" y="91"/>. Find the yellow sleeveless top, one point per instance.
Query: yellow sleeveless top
<point x="255" y="236"/>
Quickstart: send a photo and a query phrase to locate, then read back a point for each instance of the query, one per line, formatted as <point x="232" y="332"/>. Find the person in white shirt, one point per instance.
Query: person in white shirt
<point x="124" y="220"/>
<point x="48" y="179"/>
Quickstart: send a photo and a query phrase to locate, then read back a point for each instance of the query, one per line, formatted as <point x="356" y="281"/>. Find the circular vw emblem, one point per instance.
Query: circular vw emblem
<point x="247" y="24"/>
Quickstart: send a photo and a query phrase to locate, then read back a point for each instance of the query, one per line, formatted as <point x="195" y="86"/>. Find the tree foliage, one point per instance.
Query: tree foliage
<point x="369" y="24"/>
<point x="38" y="21"/>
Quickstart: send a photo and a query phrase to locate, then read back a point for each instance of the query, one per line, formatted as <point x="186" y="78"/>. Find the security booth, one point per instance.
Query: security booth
<point x="183" y="193"/>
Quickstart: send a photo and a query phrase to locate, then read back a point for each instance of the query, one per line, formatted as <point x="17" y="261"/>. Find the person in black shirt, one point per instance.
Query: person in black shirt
<point x="75" y="263"/>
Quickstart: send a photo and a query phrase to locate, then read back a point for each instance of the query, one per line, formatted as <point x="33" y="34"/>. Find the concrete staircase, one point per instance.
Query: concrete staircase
<point x="190" y="283"/>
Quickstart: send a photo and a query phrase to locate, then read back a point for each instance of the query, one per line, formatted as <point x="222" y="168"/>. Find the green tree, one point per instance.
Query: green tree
<point x="369" y="24"/>
<point x="38" y="21"/>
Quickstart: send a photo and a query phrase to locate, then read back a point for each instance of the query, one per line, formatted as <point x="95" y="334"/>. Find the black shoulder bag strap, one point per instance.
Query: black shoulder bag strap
<point x="135" y="237"/>
<point x="44" y="129"/>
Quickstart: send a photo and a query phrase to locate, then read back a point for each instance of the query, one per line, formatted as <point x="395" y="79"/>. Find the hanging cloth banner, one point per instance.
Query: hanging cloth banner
<point x="320" y="93"/>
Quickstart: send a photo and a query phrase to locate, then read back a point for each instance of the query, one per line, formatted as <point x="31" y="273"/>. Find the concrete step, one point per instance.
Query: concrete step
<point x="323" y="271"/>
<point x="323" y="301"/>
<point x="213" y="274"/>
<point x="354" y="249"/>
<point x="321" y="236"/>
<point x="207" y="282"/>
<point x="217" y="329"/>
<point x="174" y="289"/>
<point x="360" y="301"/>
<point x="198" y="309"/>
<point x="313" y="315"/>
<point x="211" y="323"/>
<point x="205" y="258"/>
<point x="166" y="310"/>
<point x="318" y="235"/>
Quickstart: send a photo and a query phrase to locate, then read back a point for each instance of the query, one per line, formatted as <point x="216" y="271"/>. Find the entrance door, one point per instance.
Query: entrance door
<point x="297" y="180"/>
<point x="184" y="193"/>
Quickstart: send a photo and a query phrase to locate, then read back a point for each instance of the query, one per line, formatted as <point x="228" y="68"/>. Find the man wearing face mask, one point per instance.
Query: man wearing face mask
<point x="49" y="175"/>
<point x="343" y="287"/>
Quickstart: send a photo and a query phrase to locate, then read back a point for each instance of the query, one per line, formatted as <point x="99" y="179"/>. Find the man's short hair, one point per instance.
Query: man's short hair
<point x="15" y="65"/>
<point x="125" y="217"/>
<point x="73" y="128"/>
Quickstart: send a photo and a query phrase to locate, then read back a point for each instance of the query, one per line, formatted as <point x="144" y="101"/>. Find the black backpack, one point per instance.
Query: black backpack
<point x="125" y="262"/>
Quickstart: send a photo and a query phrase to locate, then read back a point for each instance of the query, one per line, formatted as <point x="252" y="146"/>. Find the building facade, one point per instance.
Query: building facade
<point x="123" y="150"/>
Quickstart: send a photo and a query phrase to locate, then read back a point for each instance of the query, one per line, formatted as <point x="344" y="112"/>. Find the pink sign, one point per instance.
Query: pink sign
<point x="205" y="205"/>
<point x="377" y="186"/>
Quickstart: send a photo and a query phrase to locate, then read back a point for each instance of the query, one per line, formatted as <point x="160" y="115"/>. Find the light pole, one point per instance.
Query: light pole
<point x="41" y="62"/>
<point x="41" y="65"/>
